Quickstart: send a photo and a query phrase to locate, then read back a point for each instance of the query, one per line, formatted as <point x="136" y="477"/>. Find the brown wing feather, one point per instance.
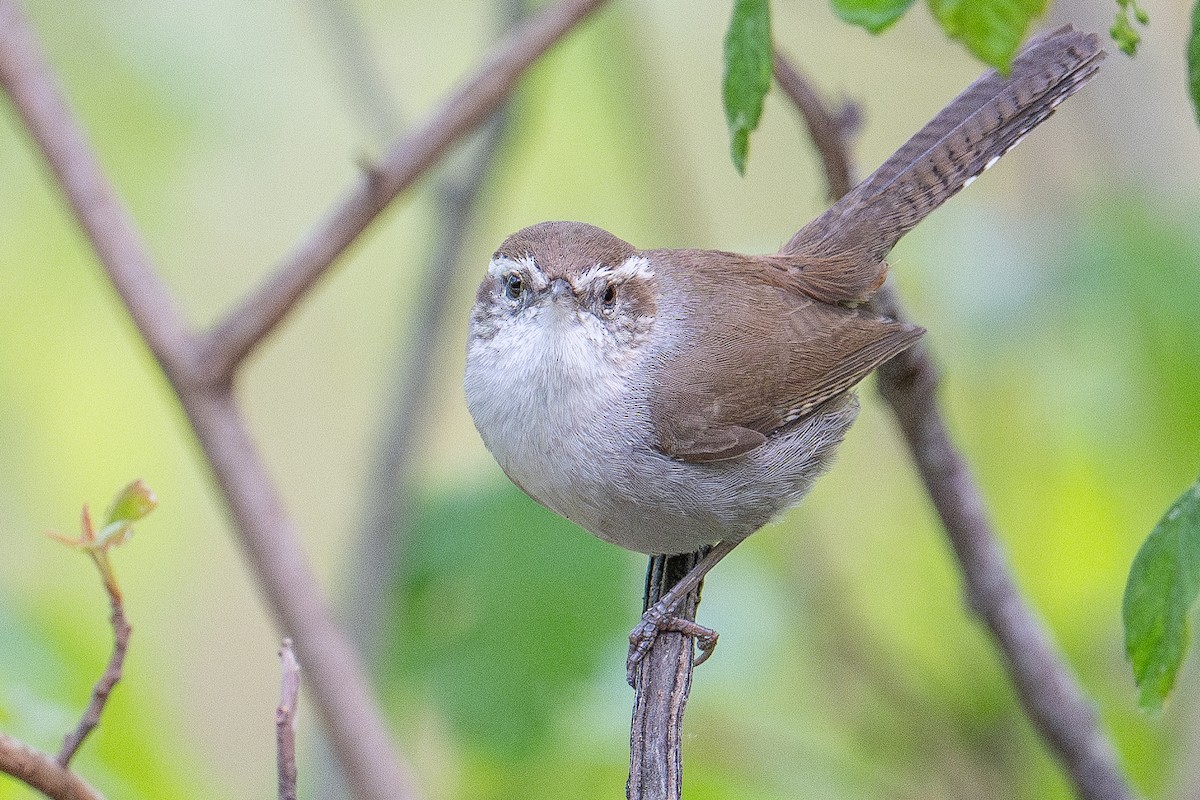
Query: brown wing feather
<point x="724" y="388"/>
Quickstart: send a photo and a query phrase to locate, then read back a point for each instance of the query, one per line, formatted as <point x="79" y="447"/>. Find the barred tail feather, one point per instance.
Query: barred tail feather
<point x="967" y="137"/>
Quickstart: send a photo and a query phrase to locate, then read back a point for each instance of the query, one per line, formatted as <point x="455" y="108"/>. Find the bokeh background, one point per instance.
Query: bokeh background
<point x="1061" y="294"/>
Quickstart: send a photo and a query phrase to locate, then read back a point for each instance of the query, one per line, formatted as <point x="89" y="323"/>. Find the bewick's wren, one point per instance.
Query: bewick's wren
<point x="670" y="399"/>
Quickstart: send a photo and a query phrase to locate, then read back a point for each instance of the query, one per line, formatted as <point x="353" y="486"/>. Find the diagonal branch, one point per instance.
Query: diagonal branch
<point x="1047" y="690"/>
<point x="465" y="109"/>
<point x="42" y="772"/>
<point x="1044" y="683"/>
<point x="337" y="679"/>
<point x="351" y="717"/>
<point x="270" y="541"/>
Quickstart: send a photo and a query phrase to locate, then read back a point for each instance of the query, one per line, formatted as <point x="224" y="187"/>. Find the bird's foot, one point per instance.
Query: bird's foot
<point x="657" y="620"/>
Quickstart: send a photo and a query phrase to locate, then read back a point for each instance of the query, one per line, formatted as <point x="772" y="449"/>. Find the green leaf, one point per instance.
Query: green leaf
<point x="1123" y="31"/>
<point x="1163" y="584"/>
<point x="133" y="502"/>
<point x="747" y="73"/>
<point x="502" y="613"/>
<point x="874" y="15"/>
<point x="1193" y="56"/>
<point x="991" y="29"/>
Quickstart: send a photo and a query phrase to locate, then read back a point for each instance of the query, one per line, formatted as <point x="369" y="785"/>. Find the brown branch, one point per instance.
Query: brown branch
<point x="1044" y="684"/>
<point x="662" y="681"/>
<point x="338" y="683"/>
<point x="42" y="772"/>
<point x="336" y="677"/>
<point x="466" y="108"/>
<point x="104" y="686"/>
<point x="285" y="720"/>
<point x="352" y="720"/>
<point x="829" y="132"/>
<point x="1040" y="675"/>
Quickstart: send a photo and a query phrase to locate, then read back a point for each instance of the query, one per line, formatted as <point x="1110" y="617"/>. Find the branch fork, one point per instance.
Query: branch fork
<point x="201" y="367"/>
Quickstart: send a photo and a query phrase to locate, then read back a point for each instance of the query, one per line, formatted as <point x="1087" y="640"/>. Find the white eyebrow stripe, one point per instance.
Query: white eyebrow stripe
<point x="632" y="267"/>
<point x="502" y="265"/>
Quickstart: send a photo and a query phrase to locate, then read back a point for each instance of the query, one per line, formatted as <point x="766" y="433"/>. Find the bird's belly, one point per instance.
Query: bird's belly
<point x="584" y="449"/>
<point x="627" y="493"/>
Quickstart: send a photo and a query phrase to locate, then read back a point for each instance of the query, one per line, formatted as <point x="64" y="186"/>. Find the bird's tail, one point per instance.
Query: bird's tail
<point x="968" y="136"/>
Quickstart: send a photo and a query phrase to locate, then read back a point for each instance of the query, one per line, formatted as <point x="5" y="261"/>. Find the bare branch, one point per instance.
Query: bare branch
<point x="104" y="686"/>
<point x="26" y="76"/>
<point x="339" y="685"/>
<point x="663" y="679"/>
<point x="1040" y="676"/>
<point x="285" y="720"/>
<point x="352" y="720"/>
<point x="336" y="677"/>
<point x="466" y="108"/>
<point x="1044" y="683"/>
<point x="829" y="132"/>
<point x="365" y="85"/>
<point x="42" y="772"/>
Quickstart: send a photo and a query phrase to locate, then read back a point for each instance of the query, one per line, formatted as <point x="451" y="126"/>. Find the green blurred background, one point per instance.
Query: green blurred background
<point x="1061" y="294"/>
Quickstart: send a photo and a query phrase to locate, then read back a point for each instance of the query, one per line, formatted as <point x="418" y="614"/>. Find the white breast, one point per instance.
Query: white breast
<point x="551" y="408"/>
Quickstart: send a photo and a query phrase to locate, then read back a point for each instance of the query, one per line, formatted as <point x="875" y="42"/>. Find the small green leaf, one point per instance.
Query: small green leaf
<point x="1123" y="32"/>
<point x="747" y="73"/>
<point x="1193" y="56"/>
<point x="1163" y="584"/>
<point x="132" y="503"/>
<point x="874" y="15"/>
<point x="991" y="29"/>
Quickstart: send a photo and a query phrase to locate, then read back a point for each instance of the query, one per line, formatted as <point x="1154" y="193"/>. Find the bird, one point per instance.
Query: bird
<point x="675" y="400"/>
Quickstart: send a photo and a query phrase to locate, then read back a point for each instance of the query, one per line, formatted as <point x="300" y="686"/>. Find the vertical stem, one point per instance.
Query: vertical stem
<point x="106" y="683"/>
<point x="663" y="680"/>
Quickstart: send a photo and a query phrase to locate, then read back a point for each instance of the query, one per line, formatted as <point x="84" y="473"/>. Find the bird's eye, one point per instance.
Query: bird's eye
<point x="513" y="286"/>
<point x="609" y="298"/>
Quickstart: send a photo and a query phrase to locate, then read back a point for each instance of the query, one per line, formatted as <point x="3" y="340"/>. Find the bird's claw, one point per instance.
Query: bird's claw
<point x="642" y="637"/>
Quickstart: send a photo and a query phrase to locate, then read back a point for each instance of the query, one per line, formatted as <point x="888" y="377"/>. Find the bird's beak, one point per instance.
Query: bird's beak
<point x="560" y="290"/>
<point x="560" y="298"/>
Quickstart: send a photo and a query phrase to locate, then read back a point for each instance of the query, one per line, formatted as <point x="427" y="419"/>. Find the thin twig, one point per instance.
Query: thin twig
<point x="1044" y="684"/>
<point x="285" y="720"/>
<point x="466" y="108"/>
<point x="42" y="772"/>
<point x="662" y="681"/>
<point x="828" y="131"/>
<point x="104" y="686"/>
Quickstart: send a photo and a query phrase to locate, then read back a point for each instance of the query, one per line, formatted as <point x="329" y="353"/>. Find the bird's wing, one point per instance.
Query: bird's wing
<point x="765" y="358"/>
